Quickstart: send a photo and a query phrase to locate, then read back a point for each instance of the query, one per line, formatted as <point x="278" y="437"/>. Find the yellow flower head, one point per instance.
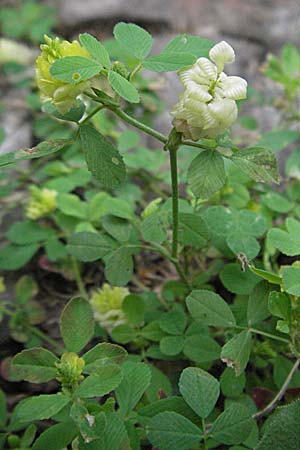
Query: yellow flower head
<point x="62" y="95"/>
<point x="207" y="106"/>
<point x="107" y="306"/>
<point x="41" y="203"/>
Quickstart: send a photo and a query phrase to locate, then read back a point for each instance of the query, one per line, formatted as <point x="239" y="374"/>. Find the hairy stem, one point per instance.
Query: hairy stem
<point x="78" y="279"/>
<point x="174" y="178"/>
<point x="272" y="405"/>
<point x="137" y="124"/>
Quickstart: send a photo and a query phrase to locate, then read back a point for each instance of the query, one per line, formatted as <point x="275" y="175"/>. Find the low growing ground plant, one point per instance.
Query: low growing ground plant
<point x="183" y="327"/>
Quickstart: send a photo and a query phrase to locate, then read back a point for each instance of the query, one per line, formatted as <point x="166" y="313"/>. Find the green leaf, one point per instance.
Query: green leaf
<point x="77" y="324"/>
<point x="89" y="429"/>
<point x="258" y="163"/>
<point x="134" y="309"/>
<point x="238" y="281"/>
<point x="231" y="385"/>
<point x="119" y="266"/>
<point x="28" y="232"/>
<point x="3" y="410"/>
<point x="288" y="242"/>
<point x="200" y="390"/>
<point x="40" y="407"/>
<point x="116" y="437"/>
<point x="71" y="205"/>
<point x="278" y="139"/>
<point x="175" y="404"/>
<point x="73" y="115"/>
<point x="258" y="303"/>
<point x="56" y="437"/>
<point x="206" y="174"/>
<point x="154" y="227"/>
<point x="29" y="435"/>
<point x="103" y="354"/>
<point x="266" y="275"/>
<point x="43" y="149"/>
<point x="186" y="43"/>
<point x="73" y="69"/>
<point x="210" y="309"/>
<point x="245" y="228"/>
<point x="136" y="40"/>
<point x="291" y="280"/>
<point x="102" y="158"/>
<point x="88" y="246"/>
<point x="281" y="369"/>
<point x="117" y="227"/>
<point x="280" y="305"/>
<point x="192" y="230"/>
<point x="13" y="257"/>
<point x="36" y="365"/>
<point x="167" y="62"/>
<point x="169" y="430"/>
<point x="277" y="202"/>
<point x="105" y="380"/>
<point x="123" y="334"/>
<point x="152" y="331"/>
<point x="173" y="322"/>
<point x="281" y="431"/>
<point x="201" y="348"/>
<point x="136" y="379"/>
<point x="233" y="426"/>
<point x="95" y="49"/>
<point x="236" y="351"/>
<point x="123" y="87"/>
<point x="171" y="345"/>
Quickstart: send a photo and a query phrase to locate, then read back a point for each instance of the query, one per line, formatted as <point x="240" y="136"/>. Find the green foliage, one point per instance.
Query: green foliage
<point x="208" y="268"/>
<point x="280" y="430"/>
<point x="123" y="87"/>
<point x="200" y="390"/>
<point x="135" y="39"/>
<point x="102" y="158"/>
<point x="77" y="324"/>
<point x="206" y="174"/>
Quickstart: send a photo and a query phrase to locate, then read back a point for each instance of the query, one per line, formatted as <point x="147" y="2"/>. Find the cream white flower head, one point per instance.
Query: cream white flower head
<point x="207" y="106"/>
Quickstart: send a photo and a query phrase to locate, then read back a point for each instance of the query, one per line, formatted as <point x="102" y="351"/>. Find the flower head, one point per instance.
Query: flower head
<point x="41" y="203"/>
<point x="207" y="106"/>
<point x="107" y="305"/>
<point x="69" y="370"/>
<point x="62" y="95"/>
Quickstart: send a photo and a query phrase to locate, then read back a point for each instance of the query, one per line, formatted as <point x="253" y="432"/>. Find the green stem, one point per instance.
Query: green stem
<point x="141" y="126"/>
<point x="78" y="279"/>
<point x="92" y="113"/>
<point x="264" y="333"/>
<point x="204" y="434"/>
<point x="194" y="144"/>
<point x="173" y="163"/>
<point x="135" y="71"/>
<point x="47" y="339"/>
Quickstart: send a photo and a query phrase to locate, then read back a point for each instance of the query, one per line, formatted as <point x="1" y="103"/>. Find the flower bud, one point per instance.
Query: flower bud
<point x="107" y="306"/>
<point x="207" y="106"/>
<point x="62" y="95"/>
<point x="120" y="69"/>
<point x="41" y="203"/>
<point x="69" y="370"/>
